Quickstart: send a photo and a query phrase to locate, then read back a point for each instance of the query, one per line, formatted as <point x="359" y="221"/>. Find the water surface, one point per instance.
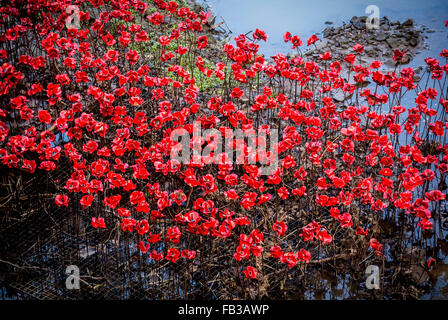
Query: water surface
<point x="305" y="18"/>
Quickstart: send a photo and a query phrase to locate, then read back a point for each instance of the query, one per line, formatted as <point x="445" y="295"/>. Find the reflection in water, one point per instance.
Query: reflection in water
<point x="307" y="17"/>
<point x="439" y="282"/>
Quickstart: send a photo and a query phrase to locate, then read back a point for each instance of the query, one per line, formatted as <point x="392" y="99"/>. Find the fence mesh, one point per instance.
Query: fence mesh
<point x="40" y="240"/>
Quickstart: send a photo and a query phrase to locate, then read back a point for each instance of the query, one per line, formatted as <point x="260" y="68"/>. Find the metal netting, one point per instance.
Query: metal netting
<point x="40" y="240"/>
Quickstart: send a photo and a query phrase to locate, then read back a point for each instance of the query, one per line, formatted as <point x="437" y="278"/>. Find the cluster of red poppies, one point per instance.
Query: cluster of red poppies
<point x="100" y="98"/>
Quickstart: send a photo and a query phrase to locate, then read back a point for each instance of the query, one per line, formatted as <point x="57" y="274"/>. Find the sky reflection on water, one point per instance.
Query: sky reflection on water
<point x="307" y="17"/>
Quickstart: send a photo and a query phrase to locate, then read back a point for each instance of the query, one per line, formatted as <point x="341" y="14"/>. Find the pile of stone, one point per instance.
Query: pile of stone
<point x="379" y="44"/>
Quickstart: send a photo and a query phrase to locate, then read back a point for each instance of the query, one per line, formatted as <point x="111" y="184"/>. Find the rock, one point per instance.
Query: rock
<point x="414" y="33"/>
<point x="384" y="25"/>
<point x="413" y="42"/>
<point x="381" y="36"/>
<point x="408" y="23"/>
<point x="328" y="32"/>
<point x="393" y="42"/>
<point x="377" y="42"/>
<point x="370" y="52"/>
<point x="358" y="22"/>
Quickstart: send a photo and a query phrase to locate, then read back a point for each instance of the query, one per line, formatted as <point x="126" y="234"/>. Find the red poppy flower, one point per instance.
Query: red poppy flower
<point x="304" y="255"/>
<point x="29" y="165"/>
<point x="259" y="35"/>
<point x="250" y="272"/>
<point x="236" y="93"/>
<point x="231" y="194"/>
<point x="61" y="200"/>
<point x="283" y="192"/>
<point x="143" y="247"/>
<point x="86" y="201"/>
<point x="108" y="40"/>
<point x="324" y="236"/>
<point x="430" y="261"/>
<point x="280" y="228"/>
<point x="345" y="220"/>
<point x="164" y="40"/>
<point x="276" y="252"/>
<point x="399" y="55"/>
<point x="202" y="42"/>
<point x="156" y="256"/>
<point x="132" y="56"/>
<point x="98" y="223"/>
<point x="296" y="42"/>
<point x="112" y="201"/>
<point x="289" y="258"/>
<point x="375" y="245"/>
<point x="361" y="232"/>
<point x="189" y="254"/>
<point x="173" y="255"/>
<point x="312" y="40"/>
<point x="425" y="224"/>
<point x="358" y="48"/>
<point x="44" y="116"/>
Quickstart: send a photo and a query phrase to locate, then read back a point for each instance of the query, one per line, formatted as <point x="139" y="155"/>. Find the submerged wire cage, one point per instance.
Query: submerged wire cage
<point x="40" y="240"/>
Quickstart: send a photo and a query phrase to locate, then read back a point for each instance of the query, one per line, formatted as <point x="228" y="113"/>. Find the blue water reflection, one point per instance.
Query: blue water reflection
<point x="307" y="17"/>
